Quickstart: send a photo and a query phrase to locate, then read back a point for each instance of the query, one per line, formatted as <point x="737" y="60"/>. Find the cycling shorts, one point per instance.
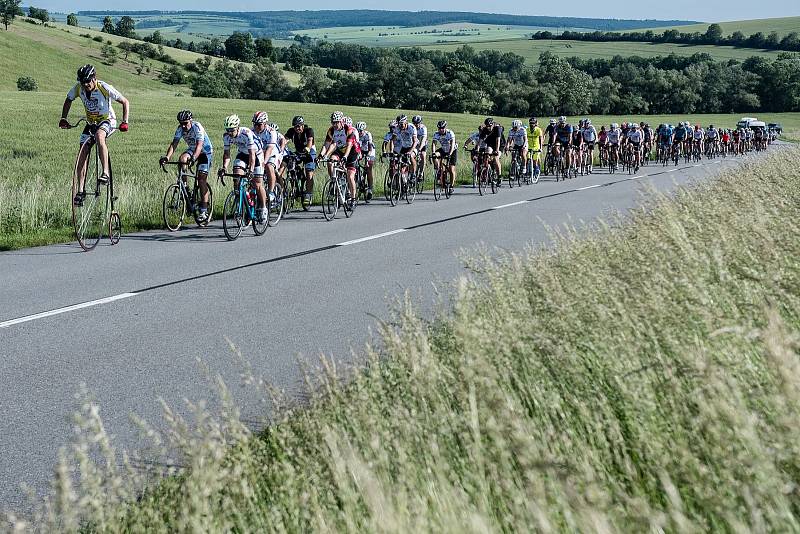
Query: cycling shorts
<point x="453" y="157"/>
<point x="408" y="150"/>
<point x="107" y="126"/>
<point x="308" y="158"/>
<point x="242" y="160"/>
<point x="352" y="159"/>
<point x="203" y="160"/>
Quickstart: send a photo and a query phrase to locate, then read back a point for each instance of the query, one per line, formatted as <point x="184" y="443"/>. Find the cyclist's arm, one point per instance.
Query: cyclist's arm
<point x="171" y="148"/>
<point x="226" y="159"/>
<point x="65" y="109"/>
<point x="268" y="150"/>
<point x="251" y="161"/>
<point x="126" y="107"/>
<point x="309" y="144"/>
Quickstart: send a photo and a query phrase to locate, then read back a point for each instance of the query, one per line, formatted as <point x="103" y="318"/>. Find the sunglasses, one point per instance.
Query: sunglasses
<point x="229" y="130"/>
<point x="184" y="123"/>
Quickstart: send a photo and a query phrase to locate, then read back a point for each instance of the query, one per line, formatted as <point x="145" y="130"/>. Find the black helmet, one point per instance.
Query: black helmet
<point x="86" y="73"/>
<point x="533" y="119"/>
<point x="402" y="118"/>
<point x="417" y="119"/>
<point x="489" y="121"/>
<point x="441" y="124"/>
<point x="298" y="120"/>
<point x="184" y="115"/>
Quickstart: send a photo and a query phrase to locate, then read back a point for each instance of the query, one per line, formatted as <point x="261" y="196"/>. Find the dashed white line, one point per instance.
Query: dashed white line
<point x="509" y="205"/>
<point x="58" y="311"/>
<point x="370" y="237"/>
<point x="588" y="187"/>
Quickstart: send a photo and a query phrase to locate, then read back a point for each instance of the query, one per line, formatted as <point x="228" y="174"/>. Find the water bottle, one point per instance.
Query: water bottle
<point x="249" y="197"/>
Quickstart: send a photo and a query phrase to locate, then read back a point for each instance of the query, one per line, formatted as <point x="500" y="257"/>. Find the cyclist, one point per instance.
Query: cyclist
<point x="390" y="143"/>
<point x="698" y="136"/>
<point x="636" y="138"/>
<point x="518" y="143"/>
<point x="535" y="145"/>
<point x="199" y="149"/>
<point x="267" y="140"/>
<point x="341" y="143"/>
<point x="422" y="143"/>
<point x="302" y="136"/>
<point x="665" y="135"/>
<point x="680" y="135"/>
<point x="563" y="136"/>
<point x="577" y="145"/>
<point x="614" y="137"/>
<point x="477" y="145"/>
<point x="408" y="141"/>
<point x="491" y="134"/>
<point x="248" y="161"/>
<point x="448" y="149"/>
<point x="712" y="136"/>
<point x="368" y="153"/>
<point x="602" y="144"/>
<point x="96" y="96"/>
<point x="589" y="139"/>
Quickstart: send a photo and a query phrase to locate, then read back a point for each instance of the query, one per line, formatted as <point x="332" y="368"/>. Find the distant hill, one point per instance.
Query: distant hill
<point x="781" y="25"/>
<point x="281" y="23"/>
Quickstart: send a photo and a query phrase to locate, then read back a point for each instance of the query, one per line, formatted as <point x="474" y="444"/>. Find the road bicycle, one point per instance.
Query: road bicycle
<point x="532" y="172"/>
<point x="239" y="210"/>
<point x="178" y="200"/>
<point x="294" y="192"/>
<point x="515" y="170"/>
<point x="93" y="211"/>
<point x="420" y="177"/>
<point x="362" y="185"/>
<point x="442" y="182"/>
<point x="335" y="192"/>
<point x="486" y="173"/>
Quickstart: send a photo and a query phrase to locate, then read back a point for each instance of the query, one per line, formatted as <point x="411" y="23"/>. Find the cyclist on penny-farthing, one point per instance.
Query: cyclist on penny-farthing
<point x="198" y="150"/>
<point x="96" y="96"/>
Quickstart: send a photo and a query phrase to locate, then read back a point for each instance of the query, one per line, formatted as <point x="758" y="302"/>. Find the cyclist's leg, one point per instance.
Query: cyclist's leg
<point x="104" y="130"/>
<point x="203" y="166"/>
<point x="83" y="164"/>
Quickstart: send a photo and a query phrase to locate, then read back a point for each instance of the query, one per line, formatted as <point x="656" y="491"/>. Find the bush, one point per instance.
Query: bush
<point x="26" y="83"/>
<point x="97" y="38"/>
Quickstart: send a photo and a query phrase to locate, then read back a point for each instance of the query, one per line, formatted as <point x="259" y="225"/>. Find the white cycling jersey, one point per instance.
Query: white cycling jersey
<point x="518" y="137"/>
<point x="391" y="136"/>
<point x="698" y="134"/>
<point x="422" y="135"/>
<point x="635" y="136"/>
<point x="590" y="134"/>
<point x="265" y="139"/>
<point x="613" y="136"/>
<point x="244" y="142"/>
<point x="711" y="134"/>
<point x="98" y="102"/>
<point x="367" y="144"/>
<point x="445" y="140"/>
<point x="407" y="137"/>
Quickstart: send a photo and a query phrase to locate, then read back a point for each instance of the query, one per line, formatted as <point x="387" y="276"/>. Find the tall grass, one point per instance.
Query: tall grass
<point x="642" y="377"/>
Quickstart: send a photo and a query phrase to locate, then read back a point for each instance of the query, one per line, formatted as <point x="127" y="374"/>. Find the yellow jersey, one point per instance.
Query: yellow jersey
<point x="535" y="138"/>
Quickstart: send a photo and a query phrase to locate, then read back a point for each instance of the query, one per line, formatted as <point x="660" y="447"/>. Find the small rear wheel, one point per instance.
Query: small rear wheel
<point x="114" y="227"/>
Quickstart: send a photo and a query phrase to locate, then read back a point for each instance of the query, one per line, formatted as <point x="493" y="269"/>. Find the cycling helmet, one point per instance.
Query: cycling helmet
<point x="274" y="126"/>
<point x="417" y="119"/>
<point x="710" y="126"/>
<point x="562" y="119"/>
<point x="441" y="124"/>
<point x="553" y="122"/>
<point x="232" y="121"/>
<point x="402" y="118"/>
<point x="533" y="120"/>
<point x="614" y="125"/>
<point x="86" y="73"/>
<point x="392" y="124"/>
<point x="184" y="115"/>
<point x="260" y="117"/>
<point x="587" y="122"/>
<point x="298" y="120"/>
<point x="361" y="126"/>
<point x="516" y="123"/>
<point x="489" y="121"/>
<point x="337" y="116"/>
<point x="348" y="121"/>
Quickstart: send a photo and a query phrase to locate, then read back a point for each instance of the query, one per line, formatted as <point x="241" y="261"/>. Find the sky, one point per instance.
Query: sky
<point x="700" y="10"/>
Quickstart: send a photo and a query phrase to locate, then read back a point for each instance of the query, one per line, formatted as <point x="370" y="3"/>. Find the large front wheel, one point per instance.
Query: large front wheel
<point x="173" y="209"/>
<point x="89" y="216"/>
<point x="232" y="216"/>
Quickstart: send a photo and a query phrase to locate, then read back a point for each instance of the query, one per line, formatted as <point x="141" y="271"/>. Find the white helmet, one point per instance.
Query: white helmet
<point x="553" y="121"/>
<point x="516" y="123"/>
<point x="274" y="126"/>
<point x="587" y="122"/>
<point x="562" y="118"/>
<point x="260" y="117"/>
<point x="232" y="121"/>
<point x="337" y="116"/>
<point x="348" y="121"/>
<point x="614" y="125"/>
<point x="361" y="126"/>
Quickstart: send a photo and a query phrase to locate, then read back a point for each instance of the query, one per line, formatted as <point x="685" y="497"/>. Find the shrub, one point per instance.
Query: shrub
<point x="97" y="38"/>
<point x="26" y="83"/>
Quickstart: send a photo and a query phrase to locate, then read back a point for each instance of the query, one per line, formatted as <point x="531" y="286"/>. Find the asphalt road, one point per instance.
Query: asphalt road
<point x="129" y="321"/>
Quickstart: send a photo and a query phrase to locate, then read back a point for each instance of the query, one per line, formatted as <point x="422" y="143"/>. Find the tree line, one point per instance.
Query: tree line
<point x="712" y="36"/>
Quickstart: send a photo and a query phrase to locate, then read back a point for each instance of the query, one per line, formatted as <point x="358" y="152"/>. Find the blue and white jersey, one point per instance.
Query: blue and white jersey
<point x="407" y="136"/>
<point x="266" y="138"/>
<point x="422" y="135"/>
<point x="194" y="135"/>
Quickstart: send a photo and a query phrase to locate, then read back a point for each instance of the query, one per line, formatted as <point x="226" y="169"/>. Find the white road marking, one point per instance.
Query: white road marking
<point x="12" y="322"/>
<point x="370" y="238"/>
<point x="509" y="205"/>
<point x="588" y="187"/>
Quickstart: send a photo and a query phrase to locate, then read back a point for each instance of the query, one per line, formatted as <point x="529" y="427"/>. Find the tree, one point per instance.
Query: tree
<point x="126" y="27"/>
<point x="713" y="34"/>
<point x="171" y="75"/>
<point x="109" y="54"/>
<point x="126" y="48"/>
<point x="240" y="46"/>
<point x="313" y="84"/>
<point x="266" y="82"/>
<point x="108" y="24"/>
<point x="265" y="49"/>
<point x="72" y="19"/>
<point x="156" y="38"/>
<point x="38" y="14"/>
<point x="9" y="9"/>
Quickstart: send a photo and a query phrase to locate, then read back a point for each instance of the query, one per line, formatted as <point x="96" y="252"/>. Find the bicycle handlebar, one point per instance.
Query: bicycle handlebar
<point x="190" y="166"/>
<point x="71" y="126"/>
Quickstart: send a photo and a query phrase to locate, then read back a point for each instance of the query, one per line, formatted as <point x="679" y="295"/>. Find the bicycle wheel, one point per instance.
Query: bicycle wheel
<point x="482" y="178"/>
<point x="276" y="209"/>
<point x="437" y="188"/>
<point x="173" y="208"/>
<point x="348" y="206"/>
<point x="232" y="216"/>
<point x="411" y="188"/>
<point x="387" y="186"/>
<point x="511" y="172"/>
<point x="90" y="218"/>
<point x="330" y="200"/>
<point x="394" y="189"/>
<point x="448" y="185"/>
<point x="493" y="180"/>
<point x="114" y="227"/>
<point x="420" y="180"/>
<point x="290" y="193"/>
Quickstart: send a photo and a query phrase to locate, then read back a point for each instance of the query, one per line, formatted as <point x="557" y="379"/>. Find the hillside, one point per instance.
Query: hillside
<point x="530" y="49"/>
<point x="782" y="25"/>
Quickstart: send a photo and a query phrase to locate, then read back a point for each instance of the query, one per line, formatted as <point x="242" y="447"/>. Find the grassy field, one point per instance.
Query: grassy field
<point x="640" y="378"/>
<point x="782" y="25"/>
<point x="403" y="36"/>
<point x="34" y="204"/>
<point x="530" y="49"/>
